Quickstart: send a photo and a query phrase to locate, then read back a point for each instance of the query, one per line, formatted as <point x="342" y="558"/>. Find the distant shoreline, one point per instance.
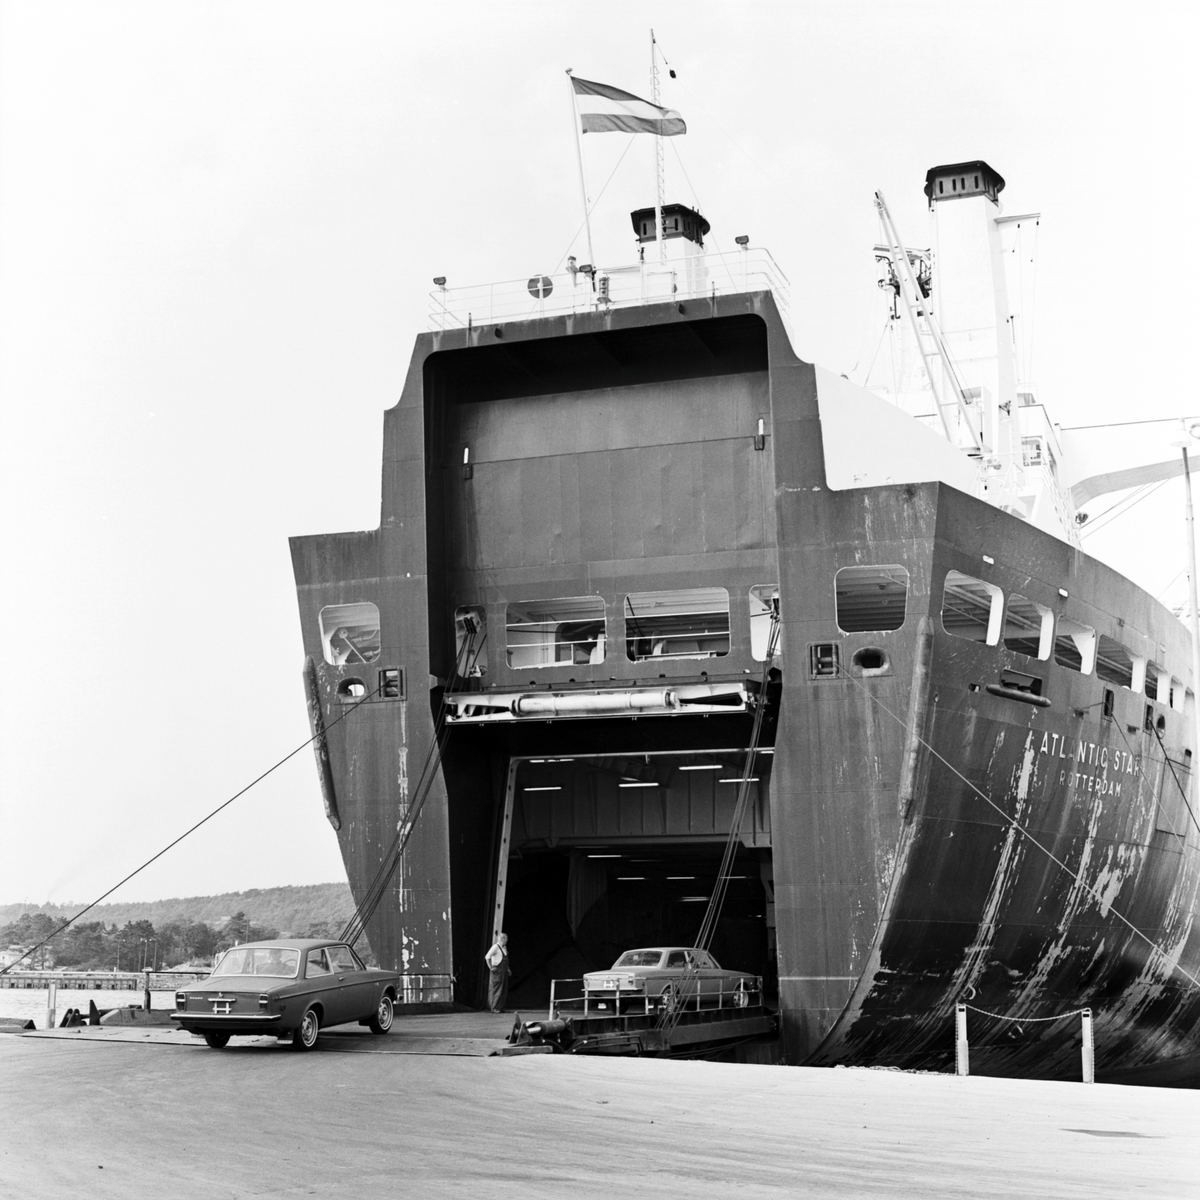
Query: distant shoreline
<point x="289" y="907"/>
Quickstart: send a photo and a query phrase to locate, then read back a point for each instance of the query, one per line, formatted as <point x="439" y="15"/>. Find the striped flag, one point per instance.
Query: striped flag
<point x="604" y="109"/>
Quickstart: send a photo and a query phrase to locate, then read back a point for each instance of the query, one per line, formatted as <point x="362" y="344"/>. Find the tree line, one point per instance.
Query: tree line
<point x="137" y="945"/>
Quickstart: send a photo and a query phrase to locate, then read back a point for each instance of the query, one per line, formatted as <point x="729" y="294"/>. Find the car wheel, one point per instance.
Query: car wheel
<point x="305" y="1036"/>
<point x="381" y="1022"/>
<point x="741" y="998"/>
<point x="669" y="999"/>
<point x="216" y="1039"/>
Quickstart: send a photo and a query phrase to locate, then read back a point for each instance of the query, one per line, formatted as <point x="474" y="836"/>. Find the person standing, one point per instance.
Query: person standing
<point x="497" y="961"/>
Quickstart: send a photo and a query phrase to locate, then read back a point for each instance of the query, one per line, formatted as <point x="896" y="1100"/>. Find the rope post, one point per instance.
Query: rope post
<point x="1088" y="1050"/>
<point x="962" y="1064"/>
<point x="51" y="1004"/>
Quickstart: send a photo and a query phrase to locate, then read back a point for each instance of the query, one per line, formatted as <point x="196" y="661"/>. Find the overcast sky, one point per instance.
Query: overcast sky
<point x="218" y="227"/>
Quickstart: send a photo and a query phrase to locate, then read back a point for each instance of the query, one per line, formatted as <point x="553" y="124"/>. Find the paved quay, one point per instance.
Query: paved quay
<point x="114" y="1112"/>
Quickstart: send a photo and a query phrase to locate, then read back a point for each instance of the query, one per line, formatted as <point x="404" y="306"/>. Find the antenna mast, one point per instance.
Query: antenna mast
<point x="587" y="218"/>
<point x="659" y="167"/>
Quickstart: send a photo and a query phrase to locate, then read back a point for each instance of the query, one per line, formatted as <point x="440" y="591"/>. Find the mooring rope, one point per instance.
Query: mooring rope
<point x="1137" y="758"/>
<point x="170" y="845"/>
<point x="669" y="1016"/>
<point x="1019" y="828"/>
<point x="394" y="855"/>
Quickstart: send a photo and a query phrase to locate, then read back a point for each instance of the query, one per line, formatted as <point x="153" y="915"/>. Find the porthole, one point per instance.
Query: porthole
<point x="870" y="660"/>
<point x="350" y="690"/>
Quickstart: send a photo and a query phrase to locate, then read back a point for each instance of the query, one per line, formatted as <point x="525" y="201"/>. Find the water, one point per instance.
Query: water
<point x="29" y="1004"/>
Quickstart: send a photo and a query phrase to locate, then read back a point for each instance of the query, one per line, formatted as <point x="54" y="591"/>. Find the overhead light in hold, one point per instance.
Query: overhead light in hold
<point x="543" y="789"/>
<point x="701" y="767"/>
<point x="751" y="779"/>
<point x="604" y="856"/>
<point x="636" y="783"/>
<point x="680" y="877"/>
<point x="693" y="899"/>
<point x="631" y="879"/>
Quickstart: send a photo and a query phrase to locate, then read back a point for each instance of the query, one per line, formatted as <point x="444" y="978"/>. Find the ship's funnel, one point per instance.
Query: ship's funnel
<point x="679" y="221"/>
<point x="956" y="181"/>
<point x="970" y="298"/>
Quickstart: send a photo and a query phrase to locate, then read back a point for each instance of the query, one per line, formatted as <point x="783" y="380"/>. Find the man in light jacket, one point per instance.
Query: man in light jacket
<point x="497" y="961"/>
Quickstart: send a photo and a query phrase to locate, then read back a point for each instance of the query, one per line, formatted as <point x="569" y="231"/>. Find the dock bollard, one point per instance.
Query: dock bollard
<point x="146" y="993"/>
<point x="1087" y="1050"/>
<point x="961" y="1058"/>
<point x="51" y="1003"/>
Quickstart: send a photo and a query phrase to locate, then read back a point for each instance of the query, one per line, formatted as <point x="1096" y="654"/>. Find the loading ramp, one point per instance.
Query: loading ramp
<point x="690" y="1024"/>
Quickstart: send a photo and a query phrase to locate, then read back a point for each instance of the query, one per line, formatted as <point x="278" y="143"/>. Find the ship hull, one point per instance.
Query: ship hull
<point x="913" y="840"/>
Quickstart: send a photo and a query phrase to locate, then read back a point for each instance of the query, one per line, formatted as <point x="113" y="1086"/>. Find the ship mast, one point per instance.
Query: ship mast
<point x="1191" y="541"/>
<point x="659" y="166"/>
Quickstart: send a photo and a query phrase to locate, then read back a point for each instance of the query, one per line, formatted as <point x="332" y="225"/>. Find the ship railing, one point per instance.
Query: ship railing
<point x="582" y="290"/>
<point x="573" y="997"/>
<point x="426" y="989"/>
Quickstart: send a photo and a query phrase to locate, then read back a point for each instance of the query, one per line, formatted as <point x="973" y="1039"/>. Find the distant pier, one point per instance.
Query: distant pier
<point x="100" y="981"/>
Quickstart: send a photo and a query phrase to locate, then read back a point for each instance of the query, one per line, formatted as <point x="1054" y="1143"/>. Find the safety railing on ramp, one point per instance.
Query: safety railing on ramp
<point x="573" y="997"/>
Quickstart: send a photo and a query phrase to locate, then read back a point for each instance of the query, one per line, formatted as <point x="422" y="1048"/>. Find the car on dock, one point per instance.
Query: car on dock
<point x="288" y="988"/>
<point x="670" y="976"/>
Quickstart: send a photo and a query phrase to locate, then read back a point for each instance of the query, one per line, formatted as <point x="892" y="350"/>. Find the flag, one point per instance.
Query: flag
<point x="604" y="109"/>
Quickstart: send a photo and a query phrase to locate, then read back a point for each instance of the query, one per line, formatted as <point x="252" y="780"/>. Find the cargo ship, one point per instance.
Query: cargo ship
<point x="621" y="518"/>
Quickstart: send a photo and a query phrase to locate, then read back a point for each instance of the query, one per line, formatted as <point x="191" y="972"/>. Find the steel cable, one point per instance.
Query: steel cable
<point x="389" y="864"/>
<point x="170" y="845"/>
<point x="1019" y="828"/>
<point x="670" y="1014"/>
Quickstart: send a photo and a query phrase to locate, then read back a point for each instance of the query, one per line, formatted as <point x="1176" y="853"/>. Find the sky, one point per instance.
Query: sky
<point x="219" y="224"/>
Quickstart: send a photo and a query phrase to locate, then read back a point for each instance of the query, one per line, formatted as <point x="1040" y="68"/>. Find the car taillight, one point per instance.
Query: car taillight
<point x="181" y="1001"/>
<point x="263" y="1001"/>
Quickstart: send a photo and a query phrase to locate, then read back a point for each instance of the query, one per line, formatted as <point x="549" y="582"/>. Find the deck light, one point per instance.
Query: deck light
<point x="742" y="240"/>
<point x="440" y="280"/>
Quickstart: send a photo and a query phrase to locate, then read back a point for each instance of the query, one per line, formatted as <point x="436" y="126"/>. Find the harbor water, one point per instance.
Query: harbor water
<point x="29" y="1004"/>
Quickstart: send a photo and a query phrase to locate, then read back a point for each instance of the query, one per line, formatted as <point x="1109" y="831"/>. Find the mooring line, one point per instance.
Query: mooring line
<point x="394" y="854"/>
<point x="203" y="820"/>
<point x="1015" y="824"/>
<point x="1137" y="758"/>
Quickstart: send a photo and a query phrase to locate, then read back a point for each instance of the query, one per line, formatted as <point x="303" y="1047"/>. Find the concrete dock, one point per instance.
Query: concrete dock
<point x="425" y="1111"/>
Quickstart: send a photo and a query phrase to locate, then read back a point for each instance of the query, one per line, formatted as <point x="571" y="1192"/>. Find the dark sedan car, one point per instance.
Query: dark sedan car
<point x="288" y="988"/>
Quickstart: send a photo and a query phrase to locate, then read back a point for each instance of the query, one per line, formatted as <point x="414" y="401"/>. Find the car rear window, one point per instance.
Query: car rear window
<point x="638" y="958"/>
<point x="318" y="964"/>
<point x="342" y="959"/>
<point x="259" y="960"/>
